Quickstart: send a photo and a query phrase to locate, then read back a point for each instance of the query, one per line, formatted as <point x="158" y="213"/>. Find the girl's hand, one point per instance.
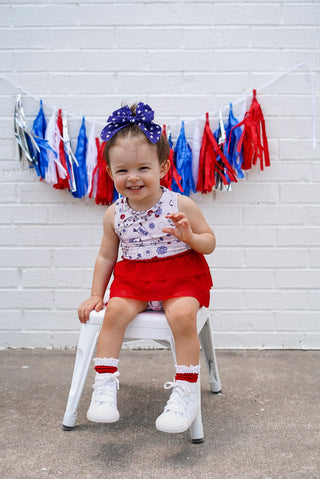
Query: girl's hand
<point x="93" y="303"/>
<point x="182" y="229"/>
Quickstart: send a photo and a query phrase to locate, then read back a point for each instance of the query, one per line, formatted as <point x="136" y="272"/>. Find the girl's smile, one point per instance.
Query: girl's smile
<point x="135" y="188"/>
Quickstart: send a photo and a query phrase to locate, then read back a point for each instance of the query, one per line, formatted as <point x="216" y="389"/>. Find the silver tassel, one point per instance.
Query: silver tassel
<point x="72" y="158"/>
<point x="21" y="133"/>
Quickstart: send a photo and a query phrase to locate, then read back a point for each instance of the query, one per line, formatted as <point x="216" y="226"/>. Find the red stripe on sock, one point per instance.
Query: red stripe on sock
<point x="189" y="377"/>
<point x="105" y="369"/>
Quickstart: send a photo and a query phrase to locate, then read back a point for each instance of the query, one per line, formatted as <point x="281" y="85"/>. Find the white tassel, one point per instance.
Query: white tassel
<point x="91" y="162"/>
<point x="196" y="146"/>
<point x="53" y="137"/>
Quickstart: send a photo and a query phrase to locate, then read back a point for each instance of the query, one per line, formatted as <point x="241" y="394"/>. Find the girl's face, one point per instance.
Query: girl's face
<point x="136" y="171"/>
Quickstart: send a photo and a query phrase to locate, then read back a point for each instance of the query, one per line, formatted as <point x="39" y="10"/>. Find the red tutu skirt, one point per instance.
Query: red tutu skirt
<point x="158" y="279"/>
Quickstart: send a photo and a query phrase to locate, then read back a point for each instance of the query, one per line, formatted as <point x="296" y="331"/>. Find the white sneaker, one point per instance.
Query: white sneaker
<point x="181" y="409"/>
<point x="103" y="406"/>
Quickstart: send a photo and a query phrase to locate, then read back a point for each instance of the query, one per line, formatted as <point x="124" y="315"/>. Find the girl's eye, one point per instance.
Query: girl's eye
<point x="144" y="168"/>
<point x="121" y="171"/>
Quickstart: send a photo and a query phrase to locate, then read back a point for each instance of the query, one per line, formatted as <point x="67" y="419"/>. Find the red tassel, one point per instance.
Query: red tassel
<point x="104" y="194"/>
<point x="166" y="181"/>
<point x="62" y="183"/>
<point x="208" y="162"/>
<point x="253" y="141"/>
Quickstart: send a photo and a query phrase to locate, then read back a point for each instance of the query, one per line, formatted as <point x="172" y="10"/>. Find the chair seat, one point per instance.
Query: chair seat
<point x="149" y="324"/>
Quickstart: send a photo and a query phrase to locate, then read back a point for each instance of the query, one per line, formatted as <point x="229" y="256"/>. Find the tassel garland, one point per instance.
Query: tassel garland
<point x="213" y="161"/>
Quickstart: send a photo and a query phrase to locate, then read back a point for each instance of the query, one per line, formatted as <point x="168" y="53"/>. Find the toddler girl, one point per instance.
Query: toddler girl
<point x="163" y="236"/>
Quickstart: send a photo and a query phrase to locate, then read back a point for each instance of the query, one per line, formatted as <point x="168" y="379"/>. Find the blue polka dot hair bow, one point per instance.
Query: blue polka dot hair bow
<point x="124" y="117"/>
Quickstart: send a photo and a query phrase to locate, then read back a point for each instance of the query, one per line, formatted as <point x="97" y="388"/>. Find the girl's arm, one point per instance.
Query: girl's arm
<point x="103" y="269"/>
<point x="191" y="226"/>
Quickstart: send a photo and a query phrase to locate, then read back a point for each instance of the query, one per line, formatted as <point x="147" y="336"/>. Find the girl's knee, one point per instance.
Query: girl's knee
<point x="121" y="310"/>
<point x="182" y="317"/>
<point x="181" y="307"/>
<point x="115" y="315"/>
<point x="114" y="307"/>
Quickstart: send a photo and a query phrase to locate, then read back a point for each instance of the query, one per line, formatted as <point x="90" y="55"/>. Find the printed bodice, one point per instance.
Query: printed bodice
<point x="140" y="232"/>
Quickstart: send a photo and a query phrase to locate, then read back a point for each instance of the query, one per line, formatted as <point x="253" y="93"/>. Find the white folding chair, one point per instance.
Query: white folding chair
<point x="146" y="325"/>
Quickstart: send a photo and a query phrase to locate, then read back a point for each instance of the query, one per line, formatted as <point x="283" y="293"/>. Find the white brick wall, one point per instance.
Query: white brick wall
<point x="185" y="58"/>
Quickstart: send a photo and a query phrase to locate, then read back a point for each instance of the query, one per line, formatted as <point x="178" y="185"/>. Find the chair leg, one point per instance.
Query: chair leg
<point x="196" y="428"/>
<point x="207" y="344"/>
<point x="87" y="341"/>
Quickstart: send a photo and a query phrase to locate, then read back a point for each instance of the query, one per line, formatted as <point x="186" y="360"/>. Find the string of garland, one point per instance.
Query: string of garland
<point x="215" y="160"/>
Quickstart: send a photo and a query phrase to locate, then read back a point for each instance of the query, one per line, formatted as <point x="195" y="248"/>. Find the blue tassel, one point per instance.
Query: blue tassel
<point x="234" y="158"/>
<point x="183" y="161"/>
<point x="80" y="170"/>
<point x="39" y="130"/>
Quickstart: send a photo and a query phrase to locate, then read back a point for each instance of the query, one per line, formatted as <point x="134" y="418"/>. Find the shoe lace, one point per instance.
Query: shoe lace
<point x="179" y="397"/>
<point x="104" y="387"/>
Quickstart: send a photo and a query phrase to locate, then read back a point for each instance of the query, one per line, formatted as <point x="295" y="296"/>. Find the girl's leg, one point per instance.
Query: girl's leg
<point x="183" y="405"/>
<point x="119" y="313"/>
<point x="181" y="315"/>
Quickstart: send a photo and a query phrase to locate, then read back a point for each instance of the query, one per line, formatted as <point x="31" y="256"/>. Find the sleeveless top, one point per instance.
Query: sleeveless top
<point x="140" y="232"/>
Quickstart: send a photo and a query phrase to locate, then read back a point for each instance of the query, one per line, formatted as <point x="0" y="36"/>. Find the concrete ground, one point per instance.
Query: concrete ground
<point x="265" y="425"/>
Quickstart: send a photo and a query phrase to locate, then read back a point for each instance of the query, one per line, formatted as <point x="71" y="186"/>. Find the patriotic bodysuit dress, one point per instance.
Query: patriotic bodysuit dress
<point x="156" y="266"/>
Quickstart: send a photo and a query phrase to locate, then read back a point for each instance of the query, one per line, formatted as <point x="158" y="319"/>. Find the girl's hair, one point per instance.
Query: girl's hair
<point x="133" y="131"/>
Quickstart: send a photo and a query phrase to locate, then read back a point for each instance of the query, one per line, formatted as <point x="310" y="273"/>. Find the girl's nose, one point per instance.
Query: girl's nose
<point x="133" y="176"/>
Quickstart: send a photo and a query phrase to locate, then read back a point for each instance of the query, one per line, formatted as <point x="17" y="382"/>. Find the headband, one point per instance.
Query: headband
<point x="124" y="117"/>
